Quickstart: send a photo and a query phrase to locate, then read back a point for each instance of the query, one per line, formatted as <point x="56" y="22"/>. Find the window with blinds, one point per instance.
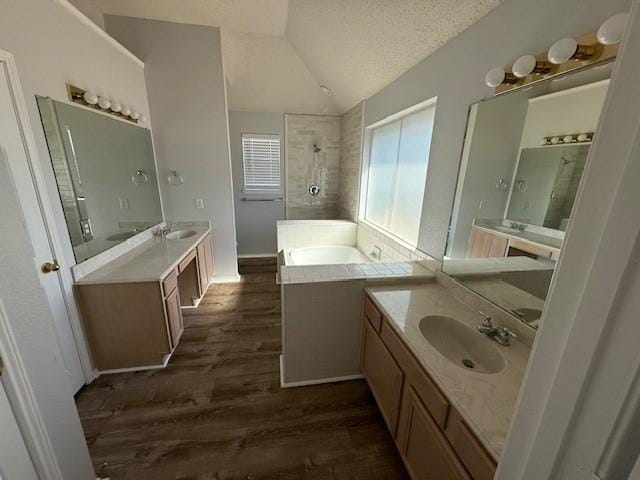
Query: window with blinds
<point x="261" y="161"/>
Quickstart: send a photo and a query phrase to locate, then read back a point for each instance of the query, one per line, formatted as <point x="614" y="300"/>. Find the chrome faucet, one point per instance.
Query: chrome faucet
<point x="499" y="334"/>
<point x="164" y="230"/>
<point x="517" y="226"/>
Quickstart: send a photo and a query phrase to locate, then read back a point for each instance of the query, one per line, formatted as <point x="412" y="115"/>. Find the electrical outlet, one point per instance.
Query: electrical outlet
<point x="124" y="203"/>
<point x="199" y="202"/>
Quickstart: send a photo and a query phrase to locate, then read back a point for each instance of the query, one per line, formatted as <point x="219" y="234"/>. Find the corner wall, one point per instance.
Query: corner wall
<point x="455" y="74"/>
<point x="186" y="87"/>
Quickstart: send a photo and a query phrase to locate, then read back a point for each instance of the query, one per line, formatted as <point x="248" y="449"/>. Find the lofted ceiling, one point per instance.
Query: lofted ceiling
<point x="277" y="53"/>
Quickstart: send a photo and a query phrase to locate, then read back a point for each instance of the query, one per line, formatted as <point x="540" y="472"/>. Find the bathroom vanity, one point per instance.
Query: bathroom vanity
<point x="132" y="306"/>
<point x="449" y="416"/>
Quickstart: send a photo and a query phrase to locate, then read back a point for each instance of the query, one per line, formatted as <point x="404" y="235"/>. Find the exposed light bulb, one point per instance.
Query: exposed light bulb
<point x="135" y="115"/>
<point x="104" y="103"/>
<point x="612" y="29"/>
<point x="126" y="111"/>
<point x="116" y="107"/>
<point x="90" y="97"/>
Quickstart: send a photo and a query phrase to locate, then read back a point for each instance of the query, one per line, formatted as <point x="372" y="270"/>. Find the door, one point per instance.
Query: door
<point x="174" y="317"/>
<point x="13" y="149"/>
<point x="15" y="462"/>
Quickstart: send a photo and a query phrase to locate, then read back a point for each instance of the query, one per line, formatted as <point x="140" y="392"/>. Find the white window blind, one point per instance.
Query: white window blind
<point x="261" y="160"/>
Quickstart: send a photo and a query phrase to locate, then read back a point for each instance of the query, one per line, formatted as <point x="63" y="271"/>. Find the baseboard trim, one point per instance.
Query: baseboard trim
<point x="258" y="255"/>
<point x="164" y="363"/>
<point x="227" y="279"/>
<point x="305" y="383"/>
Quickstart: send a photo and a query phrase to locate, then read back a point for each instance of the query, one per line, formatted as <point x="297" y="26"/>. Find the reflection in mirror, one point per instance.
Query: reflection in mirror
<point x="517" y="187"/>
<point x="106" y="176"/>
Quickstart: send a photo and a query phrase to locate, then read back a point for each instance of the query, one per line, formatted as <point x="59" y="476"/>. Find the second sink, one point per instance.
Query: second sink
<point x="178" y="234"/>
<point x="461" y="344"/>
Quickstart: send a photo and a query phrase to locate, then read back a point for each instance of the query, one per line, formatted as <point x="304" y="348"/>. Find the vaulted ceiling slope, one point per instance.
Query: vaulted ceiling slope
<point x="278" y="52"/>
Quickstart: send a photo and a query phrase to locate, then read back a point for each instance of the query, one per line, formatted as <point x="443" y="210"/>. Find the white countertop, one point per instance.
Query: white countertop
<point x="148" y="262"/>
<point x="485" y="401"/>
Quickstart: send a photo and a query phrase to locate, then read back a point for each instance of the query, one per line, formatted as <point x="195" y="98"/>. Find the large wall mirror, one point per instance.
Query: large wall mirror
<point x="106" y="175"/>
<point x="522" y="163"/>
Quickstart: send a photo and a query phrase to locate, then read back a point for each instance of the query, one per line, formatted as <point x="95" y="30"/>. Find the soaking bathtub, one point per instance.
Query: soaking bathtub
<point x="325" y="255"/>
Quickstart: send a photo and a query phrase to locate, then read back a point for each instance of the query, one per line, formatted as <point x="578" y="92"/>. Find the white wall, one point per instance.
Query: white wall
<point x="186" y="87"/>
<point x="255" y="221"/>
<point x="90" y="10"/>
<point x="455" y="74"/>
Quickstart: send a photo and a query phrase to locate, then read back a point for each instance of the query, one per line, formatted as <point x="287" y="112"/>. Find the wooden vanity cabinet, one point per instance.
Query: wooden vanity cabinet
<point x="204" y="257"/>
<point x="483" y="244"/>
<point x="434" y="441"/>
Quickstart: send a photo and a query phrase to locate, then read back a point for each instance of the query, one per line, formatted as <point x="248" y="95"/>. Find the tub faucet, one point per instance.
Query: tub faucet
<point x="499" y="334"/>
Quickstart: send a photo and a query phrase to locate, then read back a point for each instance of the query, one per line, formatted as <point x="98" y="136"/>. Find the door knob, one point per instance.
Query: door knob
<point x="49" y="267"/>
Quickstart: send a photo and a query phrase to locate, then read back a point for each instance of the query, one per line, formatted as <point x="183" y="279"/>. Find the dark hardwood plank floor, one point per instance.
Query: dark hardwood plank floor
<point x="218" y="412"/>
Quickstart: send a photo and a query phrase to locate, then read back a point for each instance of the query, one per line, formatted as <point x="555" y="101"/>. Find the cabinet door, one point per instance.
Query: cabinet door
<point x="208" y="253"/>
<point x="174" y="317"/>
<point x="426" y="452"/>
<point x="202" y="267"/>
<point x="485" y="244"/>
<point x="384" y="376"/>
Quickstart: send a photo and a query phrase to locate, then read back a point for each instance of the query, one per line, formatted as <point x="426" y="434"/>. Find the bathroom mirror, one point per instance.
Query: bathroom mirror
<point x="522" y="162"/>
<point x="106" y="175"/>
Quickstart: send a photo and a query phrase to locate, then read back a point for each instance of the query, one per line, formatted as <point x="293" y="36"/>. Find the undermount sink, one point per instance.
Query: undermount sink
<point x="119" y="237"/>
<point x="462" y="345"/>
<point x="178" y="234"/>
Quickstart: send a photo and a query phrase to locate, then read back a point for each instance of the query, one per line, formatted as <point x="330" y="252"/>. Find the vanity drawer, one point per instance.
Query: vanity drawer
<point x="186" y="260"/>
<point x="429" y="393"/>
<point x="372" y="314"/>
<point x="527" y="247"/>
<point x="473" y="455"/>
<point x="170" y="282"/>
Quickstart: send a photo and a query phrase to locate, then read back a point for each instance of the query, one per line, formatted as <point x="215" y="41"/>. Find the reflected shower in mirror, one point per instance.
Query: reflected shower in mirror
<point x="105" y="173"/>
<point x="524" y="156"/>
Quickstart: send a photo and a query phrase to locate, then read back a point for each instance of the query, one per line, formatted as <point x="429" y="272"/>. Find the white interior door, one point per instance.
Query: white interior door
<point x="12" y="146"/>
<point x="15" y="462"/>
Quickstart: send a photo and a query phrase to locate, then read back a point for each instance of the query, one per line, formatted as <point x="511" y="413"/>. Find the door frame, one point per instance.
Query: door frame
<point x="39" y="184"/>
<point x="25" y="407"/>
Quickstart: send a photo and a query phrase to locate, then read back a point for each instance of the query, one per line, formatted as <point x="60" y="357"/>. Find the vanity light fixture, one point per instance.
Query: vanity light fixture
<point x="566" y="139"/>
<point x="528" y="64"/>
<point x="90" y="97"/>
<point x="564" y="56"/>
<point x="612" y="29"/>
<point x="140" y="178"/>
<point x="103" y="103"/>
<point x="567" y="49"/>
<point x="497" y="76"/>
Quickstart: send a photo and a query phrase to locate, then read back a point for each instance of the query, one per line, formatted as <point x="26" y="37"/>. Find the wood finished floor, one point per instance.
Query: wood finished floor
<point x="218" y="412"/>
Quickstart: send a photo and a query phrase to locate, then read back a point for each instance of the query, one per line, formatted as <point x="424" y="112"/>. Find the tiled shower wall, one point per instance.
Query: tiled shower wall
<point x="350" y="159"/>
<point x="305" y="168"/>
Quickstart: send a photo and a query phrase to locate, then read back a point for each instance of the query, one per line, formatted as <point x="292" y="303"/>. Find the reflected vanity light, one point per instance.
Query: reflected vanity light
<point x="175" y="179"/>
<point x="584" y="137"/>
<point x="502" y="184"/>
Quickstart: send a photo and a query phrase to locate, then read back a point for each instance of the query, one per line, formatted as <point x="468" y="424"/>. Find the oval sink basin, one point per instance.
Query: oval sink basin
<point x="119" y="237"/>
<point x="462" y="345"/>
<point x="178" y="234"/>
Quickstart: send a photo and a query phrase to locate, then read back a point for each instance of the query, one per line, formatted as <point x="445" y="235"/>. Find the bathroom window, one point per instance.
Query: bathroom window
<point x="395" y="183"/>
<point x="261" y="161"/>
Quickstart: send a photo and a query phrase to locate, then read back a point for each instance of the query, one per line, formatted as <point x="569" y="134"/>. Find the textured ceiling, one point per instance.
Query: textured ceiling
<point x="356" y="47"/>
<point x="265" y="74"/>
<point x="278" y="52"/>
<point x="266" y="17"/>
